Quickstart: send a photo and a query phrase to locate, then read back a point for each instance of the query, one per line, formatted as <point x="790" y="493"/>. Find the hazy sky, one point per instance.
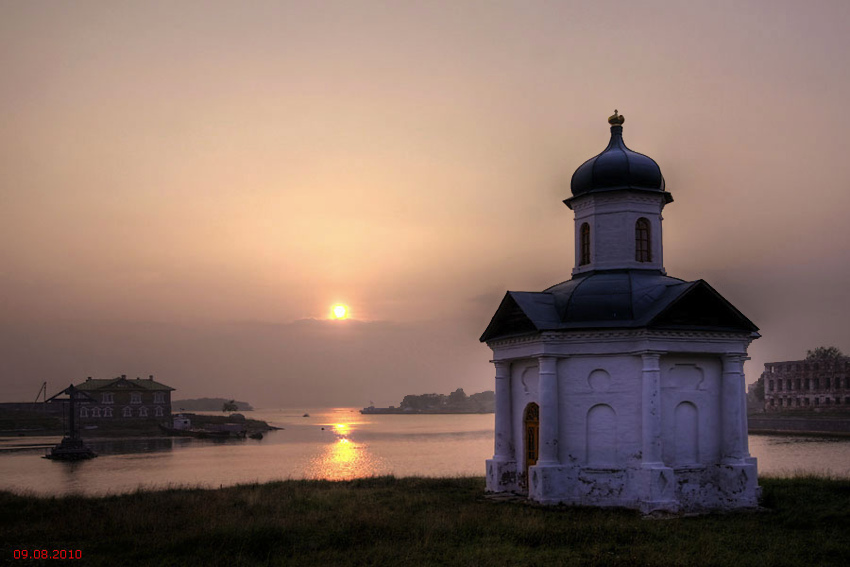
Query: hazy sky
<point x="185" y="185"/>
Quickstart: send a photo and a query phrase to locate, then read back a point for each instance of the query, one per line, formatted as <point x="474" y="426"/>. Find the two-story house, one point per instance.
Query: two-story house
<point x="122" y="400"/>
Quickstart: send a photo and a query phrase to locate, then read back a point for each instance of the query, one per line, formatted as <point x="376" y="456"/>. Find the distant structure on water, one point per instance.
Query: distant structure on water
<point x="123" y="400"/>
<point x="622" y="386"/>
<point x="806" y="385"/>
<point x="71" y="448"/>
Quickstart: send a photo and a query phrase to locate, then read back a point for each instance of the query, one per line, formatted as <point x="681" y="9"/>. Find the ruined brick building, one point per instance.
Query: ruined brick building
<point x="807" y="384"/>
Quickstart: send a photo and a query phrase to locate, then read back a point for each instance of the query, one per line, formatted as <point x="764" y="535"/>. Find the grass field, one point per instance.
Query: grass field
<point x="418" y="521"/>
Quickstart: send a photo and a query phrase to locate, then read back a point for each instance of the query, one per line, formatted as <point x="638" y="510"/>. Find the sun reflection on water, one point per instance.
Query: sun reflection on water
<point x="343" y="458"/>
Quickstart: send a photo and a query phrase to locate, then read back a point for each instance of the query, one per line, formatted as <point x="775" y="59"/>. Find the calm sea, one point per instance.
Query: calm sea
<point x="337" y="443"/>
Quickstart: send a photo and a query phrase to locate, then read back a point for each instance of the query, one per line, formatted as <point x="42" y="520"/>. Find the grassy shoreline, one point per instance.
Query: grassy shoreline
<point x="418" y="521"/>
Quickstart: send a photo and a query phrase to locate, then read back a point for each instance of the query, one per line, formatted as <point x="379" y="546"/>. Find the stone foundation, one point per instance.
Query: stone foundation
<point x="650" y="488"/>
<point x="502" y="476"/>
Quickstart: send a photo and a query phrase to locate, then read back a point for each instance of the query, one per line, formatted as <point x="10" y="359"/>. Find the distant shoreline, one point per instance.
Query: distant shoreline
<point x="832" y="425"/>
<point x="400" y="411"/>
<point x="455" y="403"/>
<point x="27" y="424"/>
<point x="207" y="404"/>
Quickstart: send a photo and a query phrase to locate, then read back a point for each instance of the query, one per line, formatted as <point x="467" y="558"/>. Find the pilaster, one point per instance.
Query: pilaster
<point x="502" y="469"/>
<point x="732" y="409"/>
<point x="548" y="392"/>
<point x="651" y="408"/>
<point x="657" y="482"/>
<point x="504" y="442"/>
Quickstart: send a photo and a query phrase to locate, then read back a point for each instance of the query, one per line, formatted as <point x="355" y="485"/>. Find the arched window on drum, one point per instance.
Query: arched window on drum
<point x="584" y="252"/>
<point x="643" y="249"/>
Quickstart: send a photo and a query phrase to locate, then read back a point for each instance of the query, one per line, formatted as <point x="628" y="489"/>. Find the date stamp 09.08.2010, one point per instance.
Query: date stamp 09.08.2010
<point x="47" y="553"/>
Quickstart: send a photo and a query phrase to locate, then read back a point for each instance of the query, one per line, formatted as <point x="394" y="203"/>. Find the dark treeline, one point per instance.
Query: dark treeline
<point x="481" y="402"/>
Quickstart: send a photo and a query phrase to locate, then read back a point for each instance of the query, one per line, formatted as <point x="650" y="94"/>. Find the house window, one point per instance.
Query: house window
<point x="135" y="398"/>
<point x="643" y="252"/>
<point x="107" y="398"/>
<point x="84" y="411"/>
<point x="159" y="398"/>
<point x="127" y="412"/>
<point x="95" y="412"/>
<point x="158" y="411"/>
<point x="107" y="412"/>
<point x="143" y="411"/>
<point x="585" y="245"/>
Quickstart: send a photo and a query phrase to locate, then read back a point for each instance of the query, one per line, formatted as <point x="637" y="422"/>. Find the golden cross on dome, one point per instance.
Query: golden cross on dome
<point x="616" y="119"/>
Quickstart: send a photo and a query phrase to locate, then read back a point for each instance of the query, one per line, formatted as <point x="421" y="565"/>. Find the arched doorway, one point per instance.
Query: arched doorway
<point x="531" y="429"/>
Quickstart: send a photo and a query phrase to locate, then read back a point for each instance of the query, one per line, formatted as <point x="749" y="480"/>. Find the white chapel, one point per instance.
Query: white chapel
<point x="622" y="386"/>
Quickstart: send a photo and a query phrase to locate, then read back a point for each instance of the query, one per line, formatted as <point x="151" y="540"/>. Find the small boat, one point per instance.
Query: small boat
<point x="306" y="415"/>
<point x="257" y="435"/>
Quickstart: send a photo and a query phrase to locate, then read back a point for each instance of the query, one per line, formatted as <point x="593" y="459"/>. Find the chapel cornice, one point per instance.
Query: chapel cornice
<point x="623" y="196"/>
<point x="617" y="335"/>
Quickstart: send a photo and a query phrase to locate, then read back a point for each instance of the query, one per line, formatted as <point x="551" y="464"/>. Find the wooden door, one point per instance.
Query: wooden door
<point x="531" y="422"/>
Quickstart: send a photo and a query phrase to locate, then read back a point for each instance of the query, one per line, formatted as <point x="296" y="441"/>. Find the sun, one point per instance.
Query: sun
<point x="339" y="311"/>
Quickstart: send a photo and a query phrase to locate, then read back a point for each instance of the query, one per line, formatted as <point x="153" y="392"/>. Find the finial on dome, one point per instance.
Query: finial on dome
<point x="616" y="119"/>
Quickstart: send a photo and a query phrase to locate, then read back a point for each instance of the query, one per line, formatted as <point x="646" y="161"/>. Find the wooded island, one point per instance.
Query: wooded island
<point x="456" y="402"/>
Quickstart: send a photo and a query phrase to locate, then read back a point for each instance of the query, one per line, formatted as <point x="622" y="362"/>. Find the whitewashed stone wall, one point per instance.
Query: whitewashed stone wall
<point x="640" y="421"/>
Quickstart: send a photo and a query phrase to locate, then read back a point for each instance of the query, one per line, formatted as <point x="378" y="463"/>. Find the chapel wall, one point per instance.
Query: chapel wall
<point x="690" y="410"/>
<point x="599" y="416"/>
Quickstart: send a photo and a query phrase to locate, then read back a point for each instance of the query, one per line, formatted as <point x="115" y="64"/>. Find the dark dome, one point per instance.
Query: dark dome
<point x="617" y="299"/>
<point x="623" y="296"/>
<point x="618" y="167"/>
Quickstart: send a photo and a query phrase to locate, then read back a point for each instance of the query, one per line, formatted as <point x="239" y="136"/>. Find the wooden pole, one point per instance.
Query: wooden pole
<point x="71" y="392"/>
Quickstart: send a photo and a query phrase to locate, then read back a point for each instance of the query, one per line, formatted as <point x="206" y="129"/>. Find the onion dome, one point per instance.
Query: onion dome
<point x="618" y="168"/>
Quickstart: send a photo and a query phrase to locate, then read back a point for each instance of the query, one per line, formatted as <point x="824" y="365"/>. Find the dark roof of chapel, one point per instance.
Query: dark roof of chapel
<point x="617" y="299"/>
<point x="618" y="168"/>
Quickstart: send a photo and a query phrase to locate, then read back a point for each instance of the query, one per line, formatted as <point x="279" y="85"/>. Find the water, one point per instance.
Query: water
<point x="334" y="444"/>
